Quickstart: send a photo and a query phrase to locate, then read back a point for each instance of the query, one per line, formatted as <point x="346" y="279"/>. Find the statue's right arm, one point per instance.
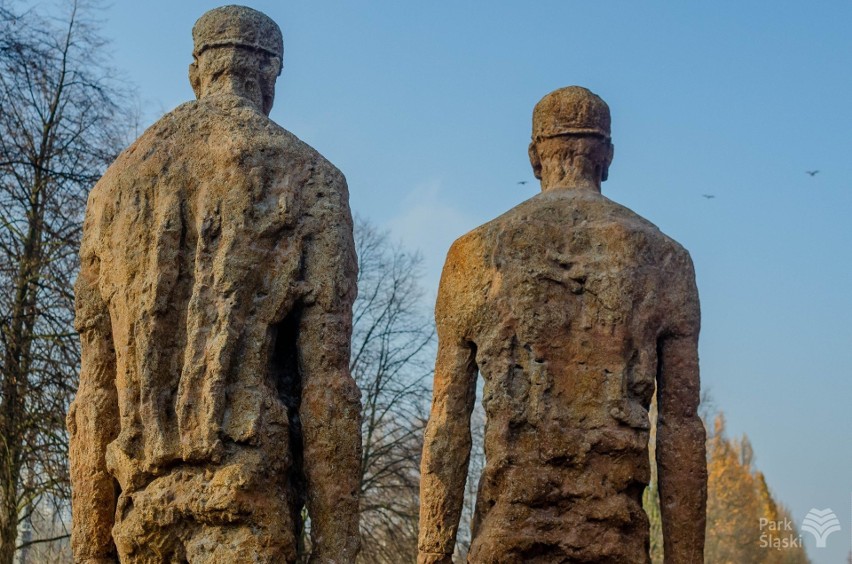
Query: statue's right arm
<point x="447" y="442"/>
<point x="330" y="408"/>
<point x="93" y="423"/>
<point x="681" y="459"/>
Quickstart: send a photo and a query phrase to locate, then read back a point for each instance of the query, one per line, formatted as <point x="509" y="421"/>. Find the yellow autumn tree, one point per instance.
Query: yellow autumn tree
<point x="651" y="497"/>
<point x="733" y="505"/>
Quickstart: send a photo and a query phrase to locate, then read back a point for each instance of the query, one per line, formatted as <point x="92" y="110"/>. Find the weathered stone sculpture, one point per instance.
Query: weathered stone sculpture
<point x="214" y="308"/>
<point x="572" y="308"/>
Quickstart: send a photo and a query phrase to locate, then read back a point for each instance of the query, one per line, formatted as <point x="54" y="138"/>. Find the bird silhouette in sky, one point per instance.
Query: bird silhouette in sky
<point x="812" y="172"/>
<point x="709" y="196"/>
<point x="522" y="182"/>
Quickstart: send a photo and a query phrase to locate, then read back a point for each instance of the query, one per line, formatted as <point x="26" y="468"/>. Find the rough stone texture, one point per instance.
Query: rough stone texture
<point x="214" y="307"/>
<point x="571" y="307"/>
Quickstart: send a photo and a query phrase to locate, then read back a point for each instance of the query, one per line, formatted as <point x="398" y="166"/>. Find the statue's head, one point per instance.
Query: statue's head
<point x="571" y="128"/>
<point x="236" y="50"/>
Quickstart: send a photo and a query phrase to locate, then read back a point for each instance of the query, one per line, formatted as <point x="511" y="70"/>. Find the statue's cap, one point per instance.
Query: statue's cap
<point x="237" y="26"/>
<point x="572" y="110"/>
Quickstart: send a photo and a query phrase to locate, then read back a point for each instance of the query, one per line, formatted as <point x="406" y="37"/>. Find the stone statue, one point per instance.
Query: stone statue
<point x="572" y="308"/>
<point x="214" y="308"/>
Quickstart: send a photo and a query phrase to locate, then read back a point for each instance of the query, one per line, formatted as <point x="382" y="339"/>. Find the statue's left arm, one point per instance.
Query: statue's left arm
<point x="330" y="409"/>
<point x="447" y="439"/>
<point x="681" y="458"/>
<point x="93" y="421"/>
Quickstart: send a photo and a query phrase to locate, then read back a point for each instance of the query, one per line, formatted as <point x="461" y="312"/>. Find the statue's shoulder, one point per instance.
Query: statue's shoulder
<point x="523" y="220"/>
<point x="230" y="121"/>
<point x="464" y="280"/>
<point x="467" y="262"/>
<point x="223" y="132"/>
<point x="555" y="213"/>
<point x="465" y="249"/>
<point x="280" y="148"/>
<point x="623" y="221"/>
<point x="154" y="142"/>
<point x="249" y="131"/>
<point x="647" y="243"/>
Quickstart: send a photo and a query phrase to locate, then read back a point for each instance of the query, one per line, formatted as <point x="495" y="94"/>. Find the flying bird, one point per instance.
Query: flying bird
<point x="709" y="196"/>
<point x="522" y="182"/>
<point x="812" y="172"/>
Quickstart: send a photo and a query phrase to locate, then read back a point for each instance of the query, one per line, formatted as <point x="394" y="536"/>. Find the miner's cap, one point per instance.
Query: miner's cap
<point x="237" y="26"/>
<point x="572" y="110"/>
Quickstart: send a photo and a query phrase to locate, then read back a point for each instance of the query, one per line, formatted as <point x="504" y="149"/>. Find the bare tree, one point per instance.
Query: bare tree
<point x="61" y="123"/>
<point x="392" y="359"/>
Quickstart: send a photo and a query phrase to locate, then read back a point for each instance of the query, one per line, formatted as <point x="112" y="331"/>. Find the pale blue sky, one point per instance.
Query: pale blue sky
<point x="426" y="108"/>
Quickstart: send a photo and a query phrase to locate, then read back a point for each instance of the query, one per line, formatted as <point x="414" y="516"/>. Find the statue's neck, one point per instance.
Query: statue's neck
<point x="578" y="174"/>
<point x="231" y="85"/>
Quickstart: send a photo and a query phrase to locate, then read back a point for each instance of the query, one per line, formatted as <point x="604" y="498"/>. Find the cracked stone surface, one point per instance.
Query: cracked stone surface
<point x="572" y="308"/>
<point x="214" y="307"/>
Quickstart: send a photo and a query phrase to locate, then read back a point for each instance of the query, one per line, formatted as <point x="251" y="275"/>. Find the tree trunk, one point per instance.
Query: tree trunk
<point x="61" y="123"/>
<point x="19" y="336"/>
<point x="10" y="453"/>
<point x="8" y="529"/>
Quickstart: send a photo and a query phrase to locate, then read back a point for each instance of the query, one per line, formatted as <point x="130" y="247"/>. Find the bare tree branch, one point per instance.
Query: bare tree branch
<point x="62" y="122"/>
<point x="39" y="541"/>
<point x="392" y="358"/>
